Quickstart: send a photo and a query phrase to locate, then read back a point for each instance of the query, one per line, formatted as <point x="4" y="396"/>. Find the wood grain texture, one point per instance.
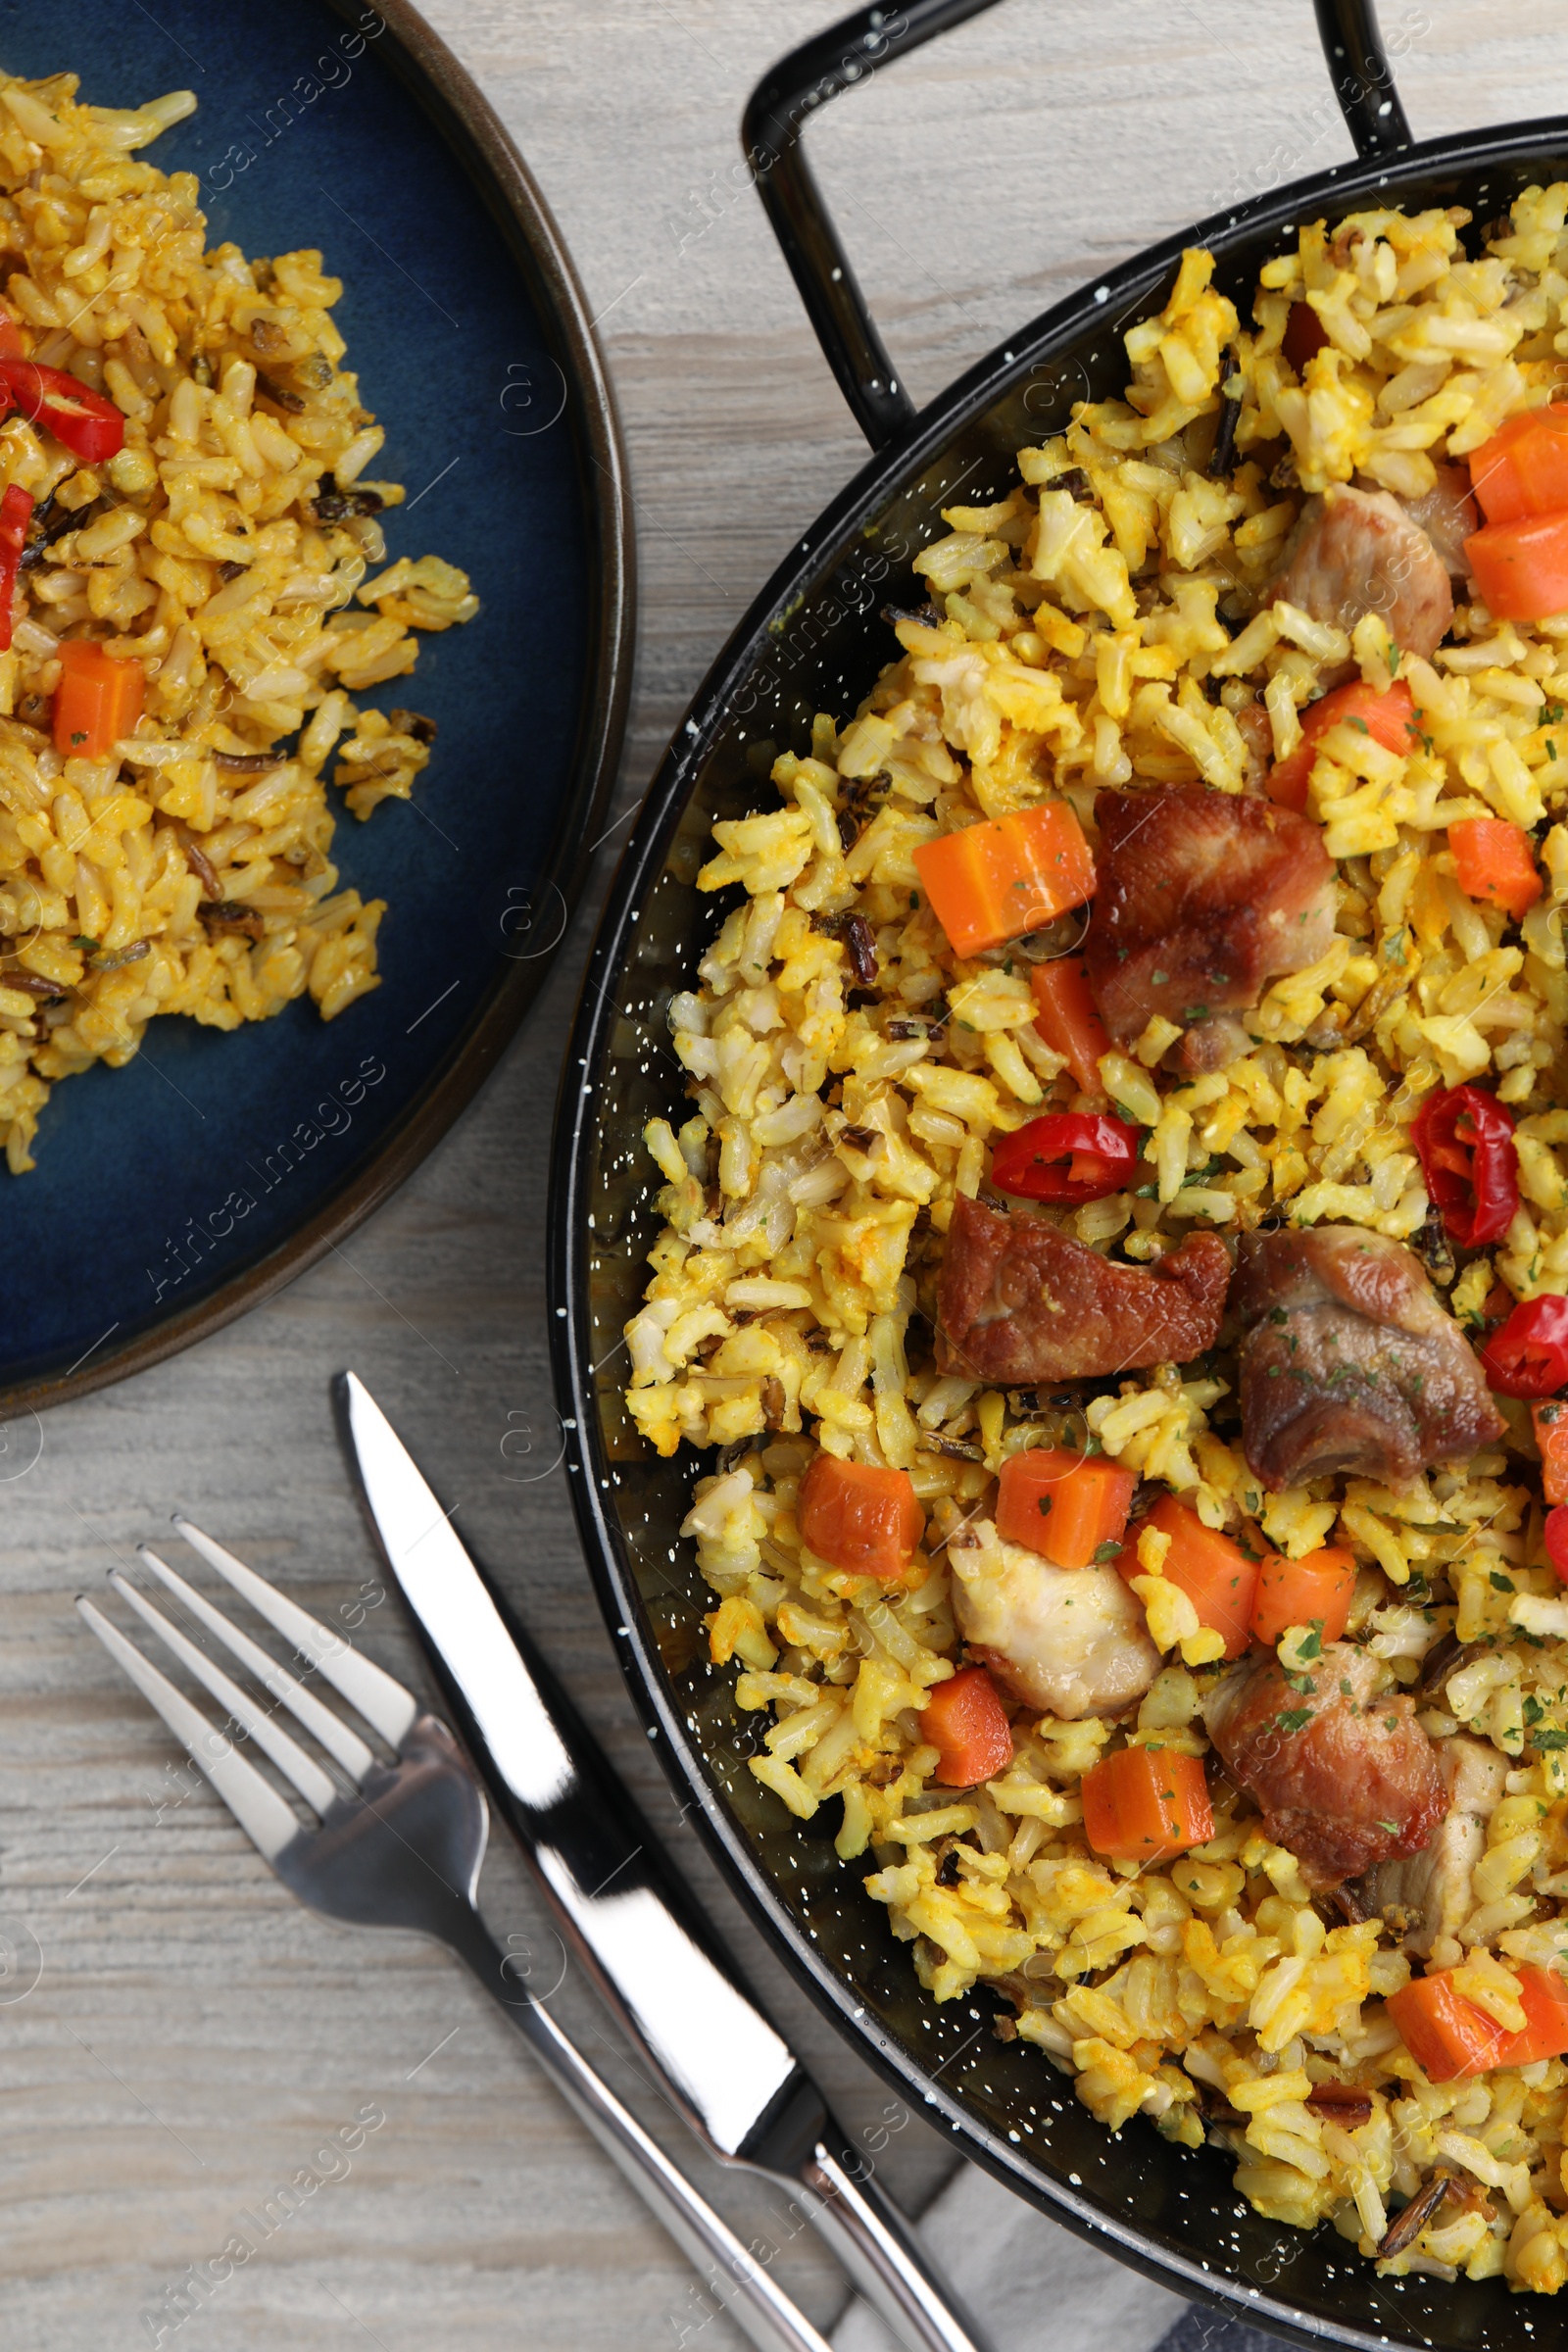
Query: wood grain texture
<point x="194" y="2036"/>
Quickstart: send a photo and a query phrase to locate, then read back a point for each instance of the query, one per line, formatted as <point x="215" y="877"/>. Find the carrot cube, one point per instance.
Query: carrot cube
<point x="1210" y="1568"/>
<point x="1495" y="859"/>
<point x="966" y="1720"/>
<point x="1314" y="1591"/>
<point x="1146" y="1804"/>
<point x="996" y="880"/>
<point x="97" y="701"/>
<point x="858" y="1517"/>
<point x="1058" y="1502"/>
<point x="1523" y="469"/>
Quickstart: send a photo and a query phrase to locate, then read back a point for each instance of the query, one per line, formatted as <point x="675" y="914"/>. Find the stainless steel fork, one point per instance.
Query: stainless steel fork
<point x="402" y="1850"/>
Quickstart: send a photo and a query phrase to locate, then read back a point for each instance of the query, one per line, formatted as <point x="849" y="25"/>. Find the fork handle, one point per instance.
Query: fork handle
<point x="733" y="2277"/>
<point x="875" y="2245"/>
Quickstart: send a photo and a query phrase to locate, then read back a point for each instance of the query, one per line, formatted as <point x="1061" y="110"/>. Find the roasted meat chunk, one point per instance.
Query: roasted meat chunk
<point x="1204" y="898"/>
<point x="1446" y="513"/>
<point x="1361" y="551"/>
<point x="1349" y="1362"/>
<point x="1344" y="1778"/>
<point x="1020" y="1303"/>
<point x="1071" y="1641"/>
<point x="1433" y="1890"/>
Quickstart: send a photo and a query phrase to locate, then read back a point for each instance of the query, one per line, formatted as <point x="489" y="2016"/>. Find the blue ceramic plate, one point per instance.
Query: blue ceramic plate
<point x="172" y="1194"/>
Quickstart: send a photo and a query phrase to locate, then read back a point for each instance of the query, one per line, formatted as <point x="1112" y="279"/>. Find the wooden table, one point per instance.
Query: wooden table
<point x="194" y="2038"/>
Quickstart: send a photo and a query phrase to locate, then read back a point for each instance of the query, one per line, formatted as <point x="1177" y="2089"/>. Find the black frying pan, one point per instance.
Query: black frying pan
<point x="815" y="640"/>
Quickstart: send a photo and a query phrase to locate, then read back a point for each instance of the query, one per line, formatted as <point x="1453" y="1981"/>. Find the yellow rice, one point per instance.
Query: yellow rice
<point x="807" y="1186"/>
<point x="200" y="553"/>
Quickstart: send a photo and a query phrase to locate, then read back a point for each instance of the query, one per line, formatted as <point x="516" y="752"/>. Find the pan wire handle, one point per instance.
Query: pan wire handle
<point x="1362" y="78"/>
<point x="783" y="102"/>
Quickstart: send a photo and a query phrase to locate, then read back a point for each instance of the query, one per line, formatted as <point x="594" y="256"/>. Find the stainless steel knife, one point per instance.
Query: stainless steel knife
<point x="622" y="1906"/>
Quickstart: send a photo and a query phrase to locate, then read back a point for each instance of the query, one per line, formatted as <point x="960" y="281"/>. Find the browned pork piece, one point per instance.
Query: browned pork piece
<point x="1020" y="1303"/>
<point x="1446" y="513"/>
<point x="1349" y="1362"/>
<point x="1433" y="1890"/>
<point x="1203" y="898"/>
<point x="1353" y="551"/>
<point x="1342" y="1776"/>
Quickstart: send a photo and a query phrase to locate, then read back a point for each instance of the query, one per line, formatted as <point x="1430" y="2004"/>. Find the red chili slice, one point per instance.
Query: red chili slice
<point x="1528" y="1355"/>
<point x="15" y="513"/>
<point x="1557" y="1541"/>
<point x="1465" y="1139"/>
<point x="1101" y="1152"/>
<point x="90" y="426"/>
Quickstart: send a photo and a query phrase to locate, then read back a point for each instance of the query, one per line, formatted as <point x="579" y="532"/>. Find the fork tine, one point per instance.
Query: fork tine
<point x="270" y="1735"/>
<point x="379" y="1697"/>
<point x="346" y="1747"/>
<point x="259" y="1811"/>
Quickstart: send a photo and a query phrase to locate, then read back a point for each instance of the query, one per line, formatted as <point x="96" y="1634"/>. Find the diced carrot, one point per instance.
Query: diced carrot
<point x="1446" y="2035"/>
<point x="1146" y="1804"/>
<point x="97" y="701"/>
<point x="1389" y="719"/>
<point x="1449" y="2037"/>
<point x="1210" y="1568"/>
<point x="1521" y="568"/>
<point x="993" y="881"/>
<point x="966" y="1720"/>
<point x="858" y="1517"/>
<point x="1551" y="1418"/>
<point x="1495" y="859"/>
<point x="1067" y="1019"/>
<point x="1304" y="335"/>
<point x="1523" y="469"/>
<point x="1545" y="1995"/>
<point x="1315" y="1591"/>
<point x="1058" y="1502"/>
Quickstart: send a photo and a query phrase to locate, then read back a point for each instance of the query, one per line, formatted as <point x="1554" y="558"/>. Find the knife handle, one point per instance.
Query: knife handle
<point x="735" y="2279"/>
<point x="874" y="2242"/>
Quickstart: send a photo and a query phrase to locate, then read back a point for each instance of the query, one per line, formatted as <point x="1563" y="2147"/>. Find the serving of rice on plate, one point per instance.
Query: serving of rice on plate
<point x="1115" y="1233"/>
<point x="202" y="536"/>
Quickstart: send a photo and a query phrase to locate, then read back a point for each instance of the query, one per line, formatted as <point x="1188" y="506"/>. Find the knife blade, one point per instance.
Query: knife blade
<point x="622" y="1905"/>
